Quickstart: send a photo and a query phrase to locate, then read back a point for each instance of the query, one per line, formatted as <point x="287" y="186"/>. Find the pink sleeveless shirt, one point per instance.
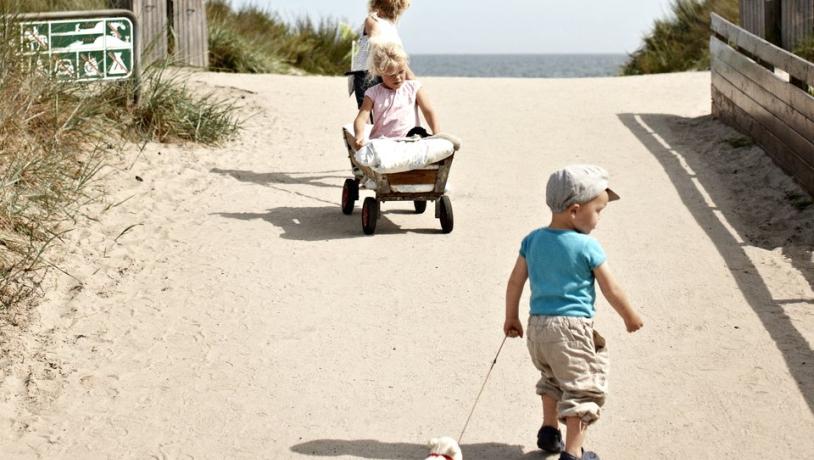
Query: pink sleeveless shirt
<point x="394" y="112"/>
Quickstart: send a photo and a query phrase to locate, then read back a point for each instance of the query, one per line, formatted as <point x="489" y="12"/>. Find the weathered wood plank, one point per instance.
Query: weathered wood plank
<point x="762" y="49"/>
<point x="795" y="156"/>
<point x="797" y="22"/>
<point x="191" y="42"/>
<point x="152" y="27"/>
<point x="784" y="100"/>
<point x="783" y="113"/>
<point x="728" y="112"/>
<point x="416" y="176"/>
<point x="802" y="147"/>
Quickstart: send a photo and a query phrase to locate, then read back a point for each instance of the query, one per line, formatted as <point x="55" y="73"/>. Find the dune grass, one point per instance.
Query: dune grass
<point x="29" y="6"/>
<point x="255" y="40"/>
<point x="56" y="135"/>
<point x="681" y="41"/>
<point x="806" y="49"/>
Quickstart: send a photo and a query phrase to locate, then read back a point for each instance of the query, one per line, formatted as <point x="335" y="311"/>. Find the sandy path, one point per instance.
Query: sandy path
<point x="246" y="317"/>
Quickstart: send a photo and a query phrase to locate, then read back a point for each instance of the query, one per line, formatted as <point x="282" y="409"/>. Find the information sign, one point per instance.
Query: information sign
<point x="81" y="49"/>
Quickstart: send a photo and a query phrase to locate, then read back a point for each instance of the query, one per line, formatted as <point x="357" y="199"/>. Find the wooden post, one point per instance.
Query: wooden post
<point x="797" y="22"/>
<point x="191" y="34"/>
<point x="772" y="21"/>
<point x="152" y="27"/>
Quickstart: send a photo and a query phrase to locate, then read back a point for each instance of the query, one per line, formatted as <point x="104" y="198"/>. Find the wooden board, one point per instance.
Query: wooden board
<point x="727" y="102"/>
<point x="414" y="177"/>
<point x="191" y="35"/>
<point x="151" y="31"/>
<point x="762" y="49"/>
<point x="797" y="22"/>
<point x="801" y="146"/>
<point x="785" y="101"/>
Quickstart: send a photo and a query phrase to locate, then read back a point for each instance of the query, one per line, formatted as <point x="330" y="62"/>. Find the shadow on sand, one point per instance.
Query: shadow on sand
<point x="370" y="448"/>
<point x="696" y="140"/>
<point x="315" y="178"/>
<point x="325" y="222"/>
<point x="314" y="223"/>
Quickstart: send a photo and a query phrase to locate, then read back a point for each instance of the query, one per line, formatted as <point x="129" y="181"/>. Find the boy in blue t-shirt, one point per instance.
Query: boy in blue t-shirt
<point x="561" y="262"/>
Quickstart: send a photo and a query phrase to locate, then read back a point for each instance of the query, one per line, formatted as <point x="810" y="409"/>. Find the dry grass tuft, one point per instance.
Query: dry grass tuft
<point x="55" y="136"/>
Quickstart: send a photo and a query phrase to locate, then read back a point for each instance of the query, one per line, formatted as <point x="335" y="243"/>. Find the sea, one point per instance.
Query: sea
<point x="518" y="65"/>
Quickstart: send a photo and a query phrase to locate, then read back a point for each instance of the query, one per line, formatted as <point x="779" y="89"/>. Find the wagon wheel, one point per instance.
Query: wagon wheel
<point x="350" y="192"/>
<point x="445" y="214"/>
<point x="370" y="214"/>
<point x="420" y="206"/>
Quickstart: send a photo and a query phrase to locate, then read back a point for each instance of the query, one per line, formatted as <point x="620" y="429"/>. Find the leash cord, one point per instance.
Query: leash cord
<point x="481" y="389"/>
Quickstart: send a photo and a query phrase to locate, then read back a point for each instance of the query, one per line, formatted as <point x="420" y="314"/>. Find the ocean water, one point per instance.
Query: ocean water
<point x="518" y="65"/>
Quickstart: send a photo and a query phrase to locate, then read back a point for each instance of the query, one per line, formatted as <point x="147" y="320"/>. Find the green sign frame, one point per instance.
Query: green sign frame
<point x="81" y="48"/>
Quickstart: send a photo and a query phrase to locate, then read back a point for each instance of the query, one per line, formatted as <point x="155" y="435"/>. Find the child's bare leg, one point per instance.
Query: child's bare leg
<point x="550" y="413"/>
<point x="549" y="438"/>
<point x="574" y="436"/>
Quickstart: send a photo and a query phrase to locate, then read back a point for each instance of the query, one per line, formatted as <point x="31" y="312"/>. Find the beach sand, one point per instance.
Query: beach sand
<point x="222" y="306"/>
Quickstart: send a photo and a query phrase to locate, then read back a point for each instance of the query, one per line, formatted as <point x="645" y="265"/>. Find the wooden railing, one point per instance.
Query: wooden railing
<point x="188" y="19"/>
<point x="764" y="91"/>
<point x="785" y="23"/>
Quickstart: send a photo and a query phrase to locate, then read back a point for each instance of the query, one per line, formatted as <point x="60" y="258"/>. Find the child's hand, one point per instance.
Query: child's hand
<point x="513" y="328"/>
<point x="358" y="143"/>
<point x="633" y="322"/>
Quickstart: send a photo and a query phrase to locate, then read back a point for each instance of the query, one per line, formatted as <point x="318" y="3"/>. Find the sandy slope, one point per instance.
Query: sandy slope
<point x="245" y="317"/>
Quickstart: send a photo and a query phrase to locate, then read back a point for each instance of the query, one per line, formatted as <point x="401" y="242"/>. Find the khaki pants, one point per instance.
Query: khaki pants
<point x="573" y="361"/>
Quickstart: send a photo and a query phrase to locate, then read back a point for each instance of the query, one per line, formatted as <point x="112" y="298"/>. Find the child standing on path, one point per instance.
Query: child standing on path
<point x="562" y="261"/>
<point x="380" y="26"/>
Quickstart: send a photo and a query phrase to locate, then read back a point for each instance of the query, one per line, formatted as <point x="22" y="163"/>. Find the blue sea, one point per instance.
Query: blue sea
<point x="518" y="65"/>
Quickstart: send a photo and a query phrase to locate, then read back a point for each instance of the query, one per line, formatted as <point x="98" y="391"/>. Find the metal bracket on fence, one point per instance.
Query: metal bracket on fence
<point x="93" y="45"/>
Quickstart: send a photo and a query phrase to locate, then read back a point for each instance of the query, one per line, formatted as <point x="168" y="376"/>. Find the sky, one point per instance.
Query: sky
<point x="499" y="26"/>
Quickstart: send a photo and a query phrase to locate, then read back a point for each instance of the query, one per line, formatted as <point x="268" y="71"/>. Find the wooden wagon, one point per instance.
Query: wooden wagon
<point x="418" y="185"/>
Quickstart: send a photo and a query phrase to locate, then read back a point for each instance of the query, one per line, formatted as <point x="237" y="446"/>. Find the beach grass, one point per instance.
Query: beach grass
<point x="256" y="40"/>
<point x="680" y="42"/>
<point x="55" y="136"/>
<point x="805" y="49"/>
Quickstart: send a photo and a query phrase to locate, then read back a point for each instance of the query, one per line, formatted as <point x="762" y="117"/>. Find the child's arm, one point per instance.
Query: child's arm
<point x="426" y="108"/>
<point x="617" y="298"/>
<point x="512" y="326"/>
<point x="359" y="123"/>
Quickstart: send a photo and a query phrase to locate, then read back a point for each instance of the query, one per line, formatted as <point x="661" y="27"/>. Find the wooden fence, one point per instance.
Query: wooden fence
<point x="188" y="19"/>
<point x="750" y="94"/>
<point x="783" y="22"/>
<point x="191" y="36"/>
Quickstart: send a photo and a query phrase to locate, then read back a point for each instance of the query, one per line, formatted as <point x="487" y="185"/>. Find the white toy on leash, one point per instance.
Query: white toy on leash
<point x="444" y="448"/>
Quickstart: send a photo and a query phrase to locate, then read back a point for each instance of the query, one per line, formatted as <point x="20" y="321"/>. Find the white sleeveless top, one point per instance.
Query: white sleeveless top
<point x="386" y="32"/>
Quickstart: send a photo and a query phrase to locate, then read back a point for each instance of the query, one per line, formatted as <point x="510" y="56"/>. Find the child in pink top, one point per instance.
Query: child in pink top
<point x="394" y="101"/>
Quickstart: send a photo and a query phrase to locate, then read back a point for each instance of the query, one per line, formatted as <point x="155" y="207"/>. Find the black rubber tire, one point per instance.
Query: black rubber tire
<point x="370" y="214"/>
<point x="420" y="206"/>
<point x="350" y="191"/>
<point x="447" y="221"/>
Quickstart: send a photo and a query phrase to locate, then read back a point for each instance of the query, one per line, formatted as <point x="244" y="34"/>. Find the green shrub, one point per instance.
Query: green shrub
<point x="255" y="40"/>
<point x="681" y="41"/>
<point x="806" y="49"/>
<point x="34" y="6"/>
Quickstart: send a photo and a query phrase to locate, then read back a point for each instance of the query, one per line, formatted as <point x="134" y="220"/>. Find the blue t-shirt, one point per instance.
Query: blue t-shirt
<point x="561" y="264"/>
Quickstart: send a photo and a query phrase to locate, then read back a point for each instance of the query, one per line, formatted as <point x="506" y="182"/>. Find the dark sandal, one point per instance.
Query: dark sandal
<point x="549" y="439"/>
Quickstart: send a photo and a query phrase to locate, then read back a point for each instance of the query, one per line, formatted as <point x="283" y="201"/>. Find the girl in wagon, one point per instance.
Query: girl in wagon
<point x="394" y="101"/>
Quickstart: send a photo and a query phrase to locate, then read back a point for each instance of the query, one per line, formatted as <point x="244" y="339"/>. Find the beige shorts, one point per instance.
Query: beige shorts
<point x="573" y="361"/>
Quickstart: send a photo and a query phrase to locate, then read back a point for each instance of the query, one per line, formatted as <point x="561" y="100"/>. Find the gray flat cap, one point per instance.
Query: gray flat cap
<point x="576" y="184"/>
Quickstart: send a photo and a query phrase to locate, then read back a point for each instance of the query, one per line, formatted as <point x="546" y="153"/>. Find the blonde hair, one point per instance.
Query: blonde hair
<point x="389" y="9"/>
<point x="384" y="56"/>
